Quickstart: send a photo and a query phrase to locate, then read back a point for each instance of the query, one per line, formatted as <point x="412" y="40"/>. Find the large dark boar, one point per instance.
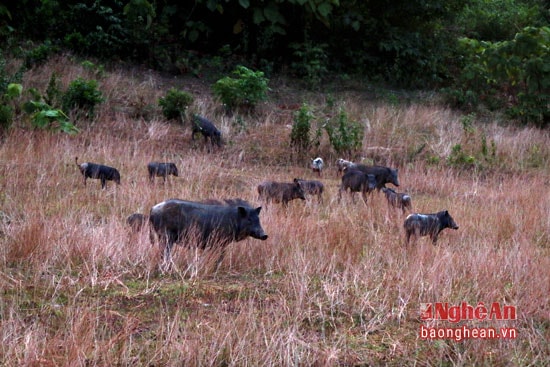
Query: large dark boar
<point x="280" y="192"/>
<point x="383" y="175"/>
<point x="398" y="200"/>
<point x="98" y="171"/>
<point x="342" y="165"/>
<point x="161" y="170"/>
<point x="207" y="129"/>
<point x="428" y="225"/>
<point x="357" y="181"/>
<point x="204" y="225"/>
<point x="312" y="187"/>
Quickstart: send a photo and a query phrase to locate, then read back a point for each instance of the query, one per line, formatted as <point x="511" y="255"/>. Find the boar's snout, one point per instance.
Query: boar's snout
<point x="260" y="235"/>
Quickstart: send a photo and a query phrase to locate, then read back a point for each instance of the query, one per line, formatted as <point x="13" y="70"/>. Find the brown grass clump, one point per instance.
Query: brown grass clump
<point x="333" y="285"/>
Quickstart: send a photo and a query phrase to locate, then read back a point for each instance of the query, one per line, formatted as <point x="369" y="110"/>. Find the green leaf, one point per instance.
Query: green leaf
<point x="14" y="90"/>
<point x="244" y="3"/>
<point x="271" y="13"/>
<point x="324" y="9"/>
<point x="258" y="16"/>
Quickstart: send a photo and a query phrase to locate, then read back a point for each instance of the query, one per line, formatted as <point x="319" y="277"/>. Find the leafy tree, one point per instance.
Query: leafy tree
<point x="499" y="20"/>
<point x="516" y="71"/>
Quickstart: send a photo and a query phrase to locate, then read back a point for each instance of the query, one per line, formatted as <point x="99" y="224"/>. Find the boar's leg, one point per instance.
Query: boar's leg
<point x="364" y="195"/>
<point x="220" y="258"/>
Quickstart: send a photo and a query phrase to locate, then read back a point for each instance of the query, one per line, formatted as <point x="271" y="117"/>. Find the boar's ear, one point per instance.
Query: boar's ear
<point x="446" y="212"/>
<point x="242" y="211"/>
<point x="258" y="209"/>
<point x="295" y="180"/>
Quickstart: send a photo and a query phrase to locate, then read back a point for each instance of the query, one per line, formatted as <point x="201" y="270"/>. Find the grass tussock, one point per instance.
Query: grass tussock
<point x="333" y="285"/>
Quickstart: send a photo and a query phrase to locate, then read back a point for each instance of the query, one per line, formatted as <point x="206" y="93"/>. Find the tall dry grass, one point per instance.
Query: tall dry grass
<point x="333" y="285"/>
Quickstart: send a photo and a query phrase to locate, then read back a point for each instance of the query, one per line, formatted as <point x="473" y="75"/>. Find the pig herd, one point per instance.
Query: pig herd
<point x="215" y="224"/>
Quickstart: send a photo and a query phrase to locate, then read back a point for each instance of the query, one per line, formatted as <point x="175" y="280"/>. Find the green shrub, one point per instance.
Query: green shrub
<point x="460" y="159"/>
<point x="311" y="62"/>
<point x="175" y="103"/>
<point x="6" y="116"/>
<point x="40" y="54"/>
<point x="246" y="90"/>
<point x="46" y="117"/>
<point x="54" y="95"/>
<point x="511" y="75"/>
<point x="300" y="134"/>
<point x="82" y="94"/>
<point x="10" y="90"/>
<point x="473" y="151"/>
<point x="345" y="135"/>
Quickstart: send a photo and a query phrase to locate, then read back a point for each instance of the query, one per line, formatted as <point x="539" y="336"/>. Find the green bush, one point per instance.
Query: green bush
<point x="345" y="135"/>
<point x="40" y="54"/>
<point x="6" y="117"/>
<point x="310" y="62"/>
<point x="511" y="75"/>
<point x="497" y="20"/>
<point x="54" y="95"/>
<point x="300" y="134"/>
<point x="473" y="151"/>
<point x="10" y="90"/>
<point x="460" y="159"/>
<point x="245" y="91"/>
<point x="46" y="117"/>
<point x="82" y="94"/>
<point x="175" y="103"/>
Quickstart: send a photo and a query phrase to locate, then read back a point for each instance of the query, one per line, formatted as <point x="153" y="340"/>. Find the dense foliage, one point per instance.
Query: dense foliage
<point x="245" y="90"/>
<point x="403" y="42"/>
<point x="175" y="103"/>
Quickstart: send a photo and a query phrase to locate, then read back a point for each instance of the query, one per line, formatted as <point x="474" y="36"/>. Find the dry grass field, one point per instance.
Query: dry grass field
<point x="333" y="285"/>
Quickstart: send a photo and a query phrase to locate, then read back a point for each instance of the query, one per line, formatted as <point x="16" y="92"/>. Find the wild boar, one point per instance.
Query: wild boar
<point x="383" y="175"/>
<point x="98" y="171"/>
<point x="204" y="225"/>
<point x="427" y="225"/>
<point x="159" y="169"/>
<point x="397" y="199"/>
<point x="207" y="129"/>
<point x="317" y="165"/>
<point x="280" y="192"/>
<point x="342" y="165"/>
<point x="137" y="221"/>
<point x="312" y="187"/>
<point x="357" y="181"/>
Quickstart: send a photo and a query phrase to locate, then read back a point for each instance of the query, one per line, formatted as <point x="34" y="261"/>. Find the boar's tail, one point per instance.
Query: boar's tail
<point x="76" y="160"/>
